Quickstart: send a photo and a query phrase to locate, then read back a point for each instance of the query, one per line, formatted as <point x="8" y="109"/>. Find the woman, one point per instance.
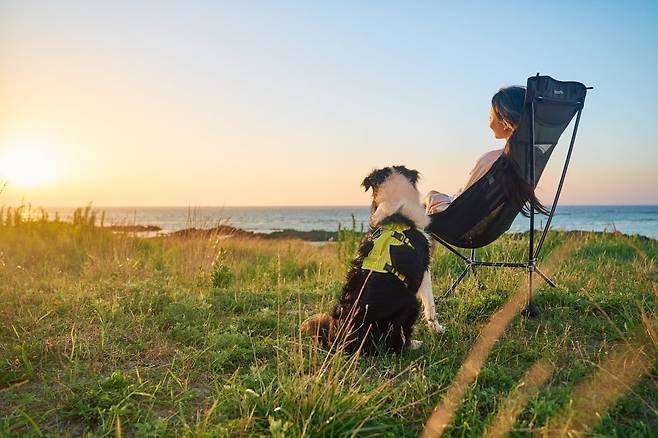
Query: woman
<point x="504" y="118"/>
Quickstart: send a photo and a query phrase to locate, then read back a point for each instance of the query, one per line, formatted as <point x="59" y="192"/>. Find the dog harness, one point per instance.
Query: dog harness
<point x="379" y="257"/>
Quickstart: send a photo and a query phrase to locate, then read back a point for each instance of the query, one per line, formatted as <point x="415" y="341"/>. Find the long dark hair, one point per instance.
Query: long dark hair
<point x="507" y="105"/>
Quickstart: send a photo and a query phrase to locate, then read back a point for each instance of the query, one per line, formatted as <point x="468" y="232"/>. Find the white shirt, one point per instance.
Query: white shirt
<point x="436" y="202"/>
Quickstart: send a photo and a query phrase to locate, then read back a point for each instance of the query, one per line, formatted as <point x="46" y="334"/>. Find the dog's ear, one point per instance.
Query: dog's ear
<point x="376" y="177"/>
<point x="366" y="184"/>
<point x="411" y="174"/>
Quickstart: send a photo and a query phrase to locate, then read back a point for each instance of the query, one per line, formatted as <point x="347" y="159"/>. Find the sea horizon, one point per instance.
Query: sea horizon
<point x="639" y="219"/>
<point x="95" y="206"/>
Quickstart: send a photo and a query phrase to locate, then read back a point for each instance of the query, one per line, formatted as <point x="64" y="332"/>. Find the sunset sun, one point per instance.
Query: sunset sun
<point x="27" y="166"/>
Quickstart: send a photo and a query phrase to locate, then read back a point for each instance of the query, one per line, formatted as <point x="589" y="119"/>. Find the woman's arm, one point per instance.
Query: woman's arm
<point x="436" y="202"/>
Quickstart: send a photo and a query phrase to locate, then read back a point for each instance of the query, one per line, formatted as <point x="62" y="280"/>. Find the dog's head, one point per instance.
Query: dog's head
<point x="378" y="176"/>
<point x="394" y="190"/>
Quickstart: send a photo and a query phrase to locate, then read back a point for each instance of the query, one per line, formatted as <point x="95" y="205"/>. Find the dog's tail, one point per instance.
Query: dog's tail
<point x="322" y="328"/>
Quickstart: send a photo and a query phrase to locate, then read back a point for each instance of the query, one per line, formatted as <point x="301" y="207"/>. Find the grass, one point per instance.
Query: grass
<point x="109" y="334"/>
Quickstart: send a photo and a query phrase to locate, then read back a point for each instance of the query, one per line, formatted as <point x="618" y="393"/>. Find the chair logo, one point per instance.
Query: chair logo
<point x="543" y="147"/>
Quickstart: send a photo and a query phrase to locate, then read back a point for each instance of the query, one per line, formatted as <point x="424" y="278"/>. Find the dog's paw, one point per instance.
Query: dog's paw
<point x="435" y="326"/>
<point x="415" y="345"/>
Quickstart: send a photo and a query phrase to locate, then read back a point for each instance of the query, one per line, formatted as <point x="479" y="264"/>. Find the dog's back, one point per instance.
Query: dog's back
<point x="408" y="261"/>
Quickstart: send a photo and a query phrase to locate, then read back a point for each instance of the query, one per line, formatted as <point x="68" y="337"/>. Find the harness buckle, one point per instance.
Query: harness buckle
<point x="402" y="238"/>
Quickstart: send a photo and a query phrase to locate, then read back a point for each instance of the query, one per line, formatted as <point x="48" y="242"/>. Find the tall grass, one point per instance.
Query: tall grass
<point x="348" y="241"/>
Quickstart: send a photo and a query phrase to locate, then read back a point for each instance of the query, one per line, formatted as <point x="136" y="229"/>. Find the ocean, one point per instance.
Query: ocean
<point x="640" y="219"/>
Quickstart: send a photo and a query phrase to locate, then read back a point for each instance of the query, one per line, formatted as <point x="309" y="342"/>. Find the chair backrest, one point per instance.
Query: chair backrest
<point x="555" y="104"/>
<point x="481" y="213"/>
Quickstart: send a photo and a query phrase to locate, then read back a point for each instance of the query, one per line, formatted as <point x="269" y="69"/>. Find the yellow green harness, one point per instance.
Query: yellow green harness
<point x="379" y="257"/>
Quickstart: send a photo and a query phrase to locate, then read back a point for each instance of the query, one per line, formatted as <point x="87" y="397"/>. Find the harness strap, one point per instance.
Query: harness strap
<point x="400" y="276"/>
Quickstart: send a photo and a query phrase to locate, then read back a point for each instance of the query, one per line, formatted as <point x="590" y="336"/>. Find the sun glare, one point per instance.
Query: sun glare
<point x="27" y="166"/>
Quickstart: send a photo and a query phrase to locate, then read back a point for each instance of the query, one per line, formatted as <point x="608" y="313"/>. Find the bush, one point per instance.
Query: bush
<point x="221" y="275"/>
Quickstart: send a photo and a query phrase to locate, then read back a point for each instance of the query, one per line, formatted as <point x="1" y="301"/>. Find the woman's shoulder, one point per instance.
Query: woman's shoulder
<point x="486" y="160"/>
<point x="490" y="156"/>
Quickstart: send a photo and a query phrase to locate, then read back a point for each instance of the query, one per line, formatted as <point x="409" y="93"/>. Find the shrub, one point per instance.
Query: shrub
<point x="221" y="275"/>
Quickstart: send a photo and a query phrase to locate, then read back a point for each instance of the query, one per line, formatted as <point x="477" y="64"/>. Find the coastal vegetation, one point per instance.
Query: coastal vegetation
<point x="108" y="333"/>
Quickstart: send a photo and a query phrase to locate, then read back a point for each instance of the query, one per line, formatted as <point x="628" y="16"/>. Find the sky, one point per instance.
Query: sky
<point x="293" y="103"/>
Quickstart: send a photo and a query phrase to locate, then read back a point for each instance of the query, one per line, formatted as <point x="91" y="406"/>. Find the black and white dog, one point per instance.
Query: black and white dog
<point x="378" y="304"/>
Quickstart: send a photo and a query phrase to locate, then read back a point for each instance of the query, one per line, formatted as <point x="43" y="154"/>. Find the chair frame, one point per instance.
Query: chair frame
<point x="530" y="265"/>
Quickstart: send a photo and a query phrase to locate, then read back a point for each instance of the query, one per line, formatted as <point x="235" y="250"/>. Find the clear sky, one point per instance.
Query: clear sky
<point x="293" y="103"/>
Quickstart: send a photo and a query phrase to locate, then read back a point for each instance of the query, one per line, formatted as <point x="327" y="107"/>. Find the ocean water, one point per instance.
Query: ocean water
<point x="627" y="219"/>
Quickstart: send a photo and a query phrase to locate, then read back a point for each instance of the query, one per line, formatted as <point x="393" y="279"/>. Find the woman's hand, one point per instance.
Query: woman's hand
<point x="436" y="202"/>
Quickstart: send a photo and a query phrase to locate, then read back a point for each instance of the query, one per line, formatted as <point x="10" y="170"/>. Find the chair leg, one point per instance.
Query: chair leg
<point x="481" y="285"/>
<point x="550" y="282"/>
<point x="530" y="310"/>
<point x="456" y="283"/>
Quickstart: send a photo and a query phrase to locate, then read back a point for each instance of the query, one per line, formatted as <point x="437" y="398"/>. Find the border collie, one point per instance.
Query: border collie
<point x="378" y="304"/>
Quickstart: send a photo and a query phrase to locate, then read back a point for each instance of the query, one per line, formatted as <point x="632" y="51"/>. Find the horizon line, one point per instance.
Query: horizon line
<point x="190" y="206"/>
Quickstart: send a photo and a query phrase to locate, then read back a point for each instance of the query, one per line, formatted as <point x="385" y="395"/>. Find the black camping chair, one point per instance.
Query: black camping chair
<point x="482" y="213"/>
